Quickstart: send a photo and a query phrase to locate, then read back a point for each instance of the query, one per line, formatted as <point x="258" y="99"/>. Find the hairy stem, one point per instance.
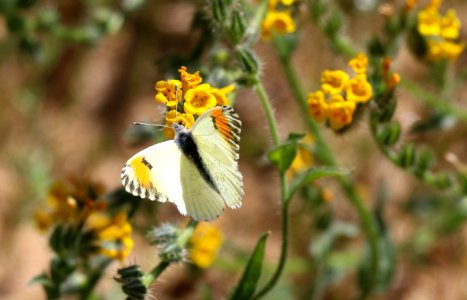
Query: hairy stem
<point x="325" y="155"/>
<point x="261" y="92"/>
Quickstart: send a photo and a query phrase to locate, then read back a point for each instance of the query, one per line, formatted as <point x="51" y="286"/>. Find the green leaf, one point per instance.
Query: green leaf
<point x="283" y="155"/>
<point x="249" y="280"/>
<point x="42" y="279"/>
<point x="313" y="174"/>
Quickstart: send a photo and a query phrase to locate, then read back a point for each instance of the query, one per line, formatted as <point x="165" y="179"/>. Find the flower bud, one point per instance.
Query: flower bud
<point x="407" y="156"/>
<point x="425" y="160"/>
<point x="131" y="279"/>
<point x="248" y="60"/>
<point x="219" y="10"/>
<point x="238" y="26"/>
<point x="390" y="134"/>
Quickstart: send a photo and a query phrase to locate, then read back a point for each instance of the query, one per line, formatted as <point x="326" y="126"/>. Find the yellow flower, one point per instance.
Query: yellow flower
<point x="444" y="50"/>
<point x="272" y="4"/>
<point x="359" y="63"/>
<point x="429" y="22"/>
<point x="280" y="22"/>
<point x="169" y="92"/>
<point x="317" y="106"/>
<point x="221" y="94"/>
<point x="174" y="116"/>
<point x="189" y="80"/>
<point x="340" y="112"/>
<point x="333" y="82"/>
<point x="359" y="89"/>
<point x="205" y="244"/>
<point x="451" y="50"/>
<point x="303" y="159"/>
<point x="113" y="235"/>
<point x="70" y="203"/>
<point x="435" y="4"/>
<point x="199" y="99"/>
<point x="410" y="4"/>
<point x="450" y="25"/>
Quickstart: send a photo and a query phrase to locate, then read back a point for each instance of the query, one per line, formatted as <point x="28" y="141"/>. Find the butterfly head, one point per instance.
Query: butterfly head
<point x="179" y="128"/>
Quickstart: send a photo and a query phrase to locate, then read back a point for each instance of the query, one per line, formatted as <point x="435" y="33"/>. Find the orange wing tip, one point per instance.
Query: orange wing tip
<point x="226" y="121"/>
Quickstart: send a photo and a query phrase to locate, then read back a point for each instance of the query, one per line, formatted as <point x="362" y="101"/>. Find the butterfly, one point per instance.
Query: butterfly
<point x="197" y="170"/>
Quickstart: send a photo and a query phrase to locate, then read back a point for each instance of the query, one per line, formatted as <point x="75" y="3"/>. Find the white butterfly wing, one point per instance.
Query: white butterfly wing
<point x="163" y="173"/>
<point x="154" y="173"/>
<point x="201" y="200"/>
<point x="217" y="134"/>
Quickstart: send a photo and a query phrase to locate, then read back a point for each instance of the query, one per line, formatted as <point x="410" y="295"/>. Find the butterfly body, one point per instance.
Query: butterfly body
<point x="197" y="171"/>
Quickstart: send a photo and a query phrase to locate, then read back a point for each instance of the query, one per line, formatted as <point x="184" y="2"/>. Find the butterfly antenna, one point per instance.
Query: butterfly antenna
<point x="150" y="124"/>
<point x="176" y="100"/>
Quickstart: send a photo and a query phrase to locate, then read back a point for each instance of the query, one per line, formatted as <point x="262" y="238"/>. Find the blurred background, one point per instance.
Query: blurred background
<point x="68" y="100"/>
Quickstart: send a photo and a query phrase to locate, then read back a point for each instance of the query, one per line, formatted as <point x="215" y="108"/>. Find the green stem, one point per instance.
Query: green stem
<point x="151" y="276"/>
<point x="284" y="246"/>
<point x="263" y="97"/>
<point x="285" y="200"/>
<point x="325" y="155"/>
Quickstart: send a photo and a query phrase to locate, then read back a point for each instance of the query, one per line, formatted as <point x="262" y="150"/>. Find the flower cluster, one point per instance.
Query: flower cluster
<point x="113" y="234"/>
<point x="188" y="98"/>
<point x="204" y="244"/>
<point x="278" y="19"/>
<point x="440" y="32"/>
<point x="76" y="204"/>
<point x="339" y="94"/>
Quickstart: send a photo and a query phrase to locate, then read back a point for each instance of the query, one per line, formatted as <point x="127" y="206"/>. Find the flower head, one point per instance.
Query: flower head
<point x="280" y="22"/>
<point x="205" y="243"/>
<point x="429" y="22"/>
<point x="174" y="116"/>
<point x="169" y="92"/>
<point x="359" y="63"/>
<point x="199" y="99"/>
<point x="444" y="50"/>
<point x="410" y="4"/>
<point x="113" y="234"/>
<point x="221" y="94"/>
<point x="340" y="94"/>
<point x="188" y="98"/>
<point x="75" y="206"/>
<point x="69" y="202"/>
<point x="359" y="89"/>
<point x="189" y="80"/>
<point x="440" y="32"/>
<point x="272" y="4"/>
<point x="317" y="106"/>
<point x="340" y="112"/>
<point x="303" y="159"/>
<point x="333" y="82"/>
<point x="450" y="25"/>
